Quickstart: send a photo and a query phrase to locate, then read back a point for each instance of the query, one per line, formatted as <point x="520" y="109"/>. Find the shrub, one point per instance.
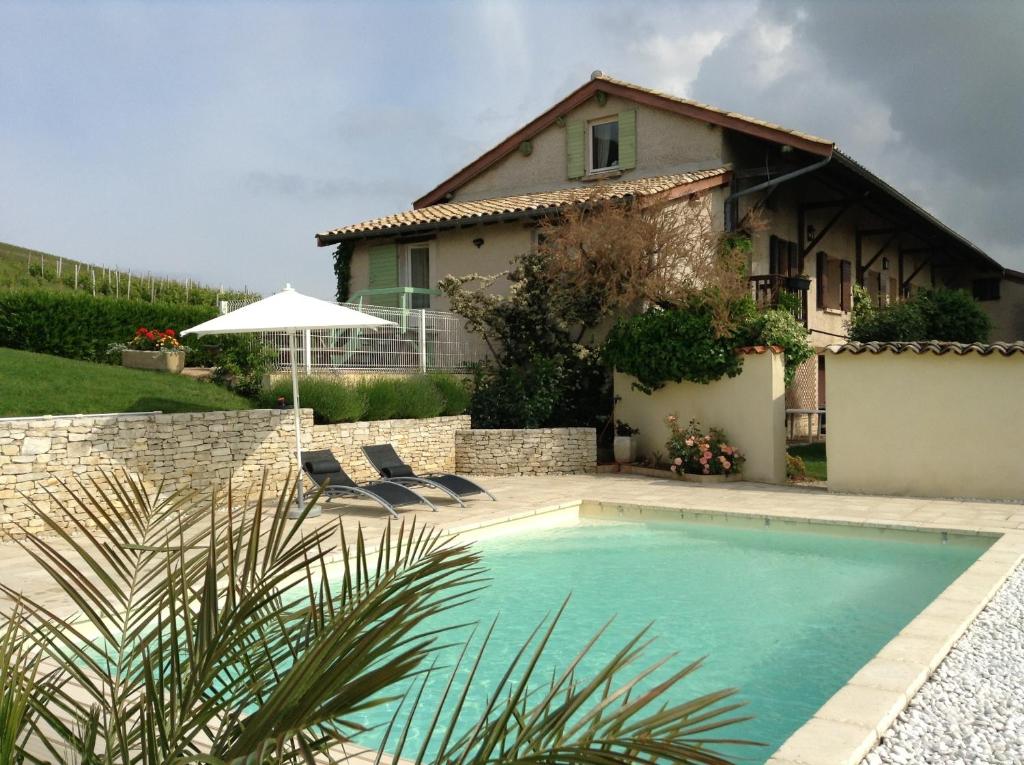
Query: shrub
<point x="672" y="345"/>
<point x="456" y="393"/>
<point x="781" y="328"/>
<point x="79" y="326"/>
<point x="796" y="469"/>
<point x="418" y="398"/>
<point x="941" y="314"/>
<point x="383" y="397"/>
<point x="696" y="452"/>
<point x="555" y="391"/>
<point x="331" y="400"/>
<point x="240" y="363"/>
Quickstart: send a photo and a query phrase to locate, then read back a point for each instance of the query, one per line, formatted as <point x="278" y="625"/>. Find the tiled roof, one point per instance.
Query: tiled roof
<point x="524" y="203"/>
<point x="938" y="347"/>
<point x="714" y="109"/>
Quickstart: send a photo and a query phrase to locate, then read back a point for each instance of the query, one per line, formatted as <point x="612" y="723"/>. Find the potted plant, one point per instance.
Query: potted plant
<point x="800" y="283"/>
<point x="154" y="349"/>
<point x="625" y="444"/>
<point x="699" y="456"/>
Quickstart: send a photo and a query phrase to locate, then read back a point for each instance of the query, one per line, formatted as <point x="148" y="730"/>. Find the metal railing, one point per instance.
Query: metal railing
<point x="421" y="340"/>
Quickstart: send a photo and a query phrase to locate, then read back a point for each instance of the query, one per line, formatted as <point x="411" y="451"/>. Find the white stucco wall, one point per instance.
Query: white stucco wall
<point x="926" y="425"/>
<point x="750" y="408"/>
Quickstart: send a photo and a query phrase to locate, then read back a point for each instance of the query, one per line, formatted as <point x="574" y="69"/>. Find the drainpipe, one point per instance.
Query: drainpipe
<point x="781" y="179"/>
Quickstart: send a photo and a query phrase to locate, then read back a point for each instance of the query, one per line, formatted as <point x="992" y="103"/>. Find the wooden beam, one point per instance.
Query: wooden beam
<point x="916" y="271"/>
<point x="858" y="248"/>
<point x="878" y="231"/>
<point x="881" y="249"/>
<point x="916" y="250"/>
<point x="821" y="234"/>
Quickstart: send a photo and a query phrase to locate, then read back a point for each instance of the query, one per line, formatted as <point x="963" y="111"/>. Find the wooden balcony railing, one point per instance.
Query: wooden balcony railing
<point x="766" y="290"/>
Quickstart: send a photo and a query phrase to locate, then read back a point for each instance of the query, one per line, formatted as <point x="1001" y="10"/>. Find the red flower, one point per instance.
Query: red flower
<point x="140" y="331"/>
<point x="151" y="336"/>
<point x="169" y="332"/>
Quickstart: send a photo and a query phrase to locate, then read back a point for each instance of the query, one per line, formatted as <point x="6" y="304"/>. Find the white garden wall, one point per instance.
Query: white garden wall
<point x="750" y="407"/>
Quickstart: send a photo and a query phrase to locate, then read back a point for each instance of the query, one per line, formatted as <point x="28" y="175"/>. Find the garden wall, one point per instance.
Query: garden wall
<point x="926" y="419"/>
<point x="199" y="449"/>
<point x="542" y="451"/>
<point x="750" y="407"/>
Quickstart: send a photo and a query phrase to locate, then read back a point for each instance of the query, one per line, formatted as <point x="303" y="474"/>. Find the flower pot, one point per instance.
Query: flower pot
<point x="625" y="449"/>
<point x="800" y="283"/>
<point x="159" y="361"/>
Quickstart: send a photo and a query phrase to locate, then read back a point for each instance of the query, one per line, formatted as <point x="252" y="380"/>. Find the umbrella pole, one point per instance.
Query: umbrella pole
<point x="297" y="510"/>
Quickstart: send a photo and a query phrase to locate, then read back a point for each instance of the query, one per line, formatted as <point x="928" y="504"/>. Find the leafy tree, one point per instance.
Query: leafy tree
<point x="209" y="633"/>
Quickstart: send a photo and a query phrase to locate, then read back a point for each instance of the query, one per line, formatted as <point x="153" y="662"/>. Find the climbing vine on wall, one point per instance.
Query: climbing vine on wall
<point x="343" y="270"/>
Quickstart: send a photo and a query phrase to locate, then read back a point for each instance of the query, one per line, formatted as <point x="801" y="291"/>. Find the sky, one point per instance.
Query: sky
<point x="213" y="139"/>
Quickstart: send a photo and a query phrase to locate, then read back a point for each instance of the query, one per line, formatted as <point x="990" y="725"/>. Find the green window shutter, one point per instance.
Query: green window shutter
<point x="383" y="272"/>
<point x="627" y="139"/>
<point x="575" y="133"/>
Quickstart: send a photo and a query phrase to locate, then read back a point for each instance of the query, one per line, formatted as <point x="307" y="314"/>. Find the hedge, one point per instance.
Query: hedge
<point x="80" y="326"/>
<point x="381" y="398"/>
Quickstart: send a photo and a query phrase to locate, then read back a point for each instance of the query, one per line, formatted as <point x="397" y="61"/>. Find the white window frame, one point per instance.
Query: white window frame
<point x="591" y="170"/>
<point x="405" y="264"/>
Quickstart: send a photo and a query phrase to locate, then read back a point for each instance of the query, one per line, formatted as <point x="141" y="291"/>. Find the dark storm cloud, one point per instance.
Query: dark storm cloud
<point x="928" y="95"/>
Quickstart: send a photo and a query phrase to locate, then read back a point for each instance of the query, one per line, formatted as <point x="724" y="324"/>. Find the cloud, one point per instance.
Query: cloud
<point x="924" y="94"/>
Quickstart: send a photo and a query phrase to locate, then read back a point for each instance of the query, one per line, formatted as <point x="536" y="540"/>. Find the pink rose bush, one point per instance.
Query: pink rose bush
<point x="694" y="451"/>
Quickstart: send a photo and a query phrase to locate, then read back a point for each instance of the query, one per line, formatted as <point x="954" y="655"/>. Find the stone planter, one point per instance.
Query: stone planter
<point x="699" y="478"/>
<point x="159" y="361"/>
<point x="625" y="449"/>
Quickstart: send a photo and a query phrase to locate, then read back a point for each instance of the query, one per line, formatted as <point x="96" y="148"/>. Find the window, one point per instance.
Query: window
<point x="416" y="272"/>
<point x="986" y="289"/>
<point x="604" y="145"/>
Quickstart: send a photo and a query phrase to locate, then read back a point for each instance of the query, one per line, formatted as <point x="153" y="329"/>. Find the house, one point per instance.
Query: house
<point x="828" y="218"/>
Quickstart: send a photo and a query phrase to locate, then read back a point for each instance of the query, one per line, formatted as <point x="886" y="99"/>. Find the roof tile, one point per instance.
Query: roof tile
<point x="480" y="208"/>
<point x="938" y="347"/>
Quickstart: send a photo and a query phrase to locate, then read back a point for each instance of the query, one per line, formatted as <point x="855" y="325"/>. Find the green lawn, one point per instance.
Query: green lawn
<point x="814" y="458"/>
<point x="35" y="384"/>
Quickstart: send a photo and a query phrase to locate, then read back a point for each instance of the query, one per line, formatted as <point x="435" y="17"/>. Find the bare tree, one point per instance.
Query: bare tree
<point x="630" y="255"/>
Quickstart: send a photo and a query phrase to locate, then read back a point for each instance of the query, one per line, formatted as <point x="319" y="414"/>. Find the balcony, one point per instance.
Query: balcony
<point x="768" y="291"/>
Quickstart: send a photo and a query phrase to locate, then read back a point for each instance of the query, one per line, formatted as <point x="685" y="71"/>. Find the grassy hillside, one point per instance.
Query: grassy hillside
<point x="36" y="384"/>
<point x="22" y="267"/>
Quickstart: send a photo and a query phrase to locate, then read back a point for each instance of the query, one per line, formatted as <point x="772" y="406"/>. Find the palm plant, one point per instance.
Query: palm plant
<point x="208" y="633"/>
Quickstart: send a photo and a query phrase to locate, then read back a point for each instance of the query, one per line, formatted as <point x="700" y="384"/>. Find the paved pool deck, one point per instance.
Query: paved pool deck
<point x="850" y="723"/>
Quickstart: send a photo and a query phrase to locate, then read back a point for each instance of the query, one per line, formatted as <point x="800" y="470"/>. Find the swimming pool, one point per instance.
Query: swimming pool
<point x="785" y="616"/>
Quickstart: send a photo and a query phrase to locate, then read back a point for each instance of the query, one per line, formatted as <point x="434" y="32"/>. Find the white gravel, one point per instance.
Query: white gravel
<point x="971" y="711"/>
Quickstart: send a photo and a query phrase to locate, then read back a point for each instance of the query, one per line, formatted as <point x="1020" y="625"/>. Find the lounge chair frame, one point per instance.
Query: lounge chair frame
<point x="361" y="491"/>
<point x="420" y="480"/>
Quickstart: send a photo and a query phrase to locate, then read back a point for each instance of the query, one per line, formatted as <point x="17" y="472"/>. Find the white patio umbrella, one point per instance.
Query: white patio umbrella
<point x="291" y="312"/>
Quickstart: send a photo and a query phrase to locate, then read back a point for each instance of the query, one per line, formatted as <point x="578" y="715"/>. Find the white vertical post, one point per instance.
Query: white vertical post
<point x="307" y="350"/>
<point x="423" y="340"/>
<point x="297" y="510"/>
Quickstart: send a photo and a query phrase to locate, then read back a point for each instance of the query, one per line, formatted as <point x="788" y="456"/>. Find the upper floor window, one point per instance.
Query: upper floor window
<point x="986" y="289"/>
<point x="604" y="145"/>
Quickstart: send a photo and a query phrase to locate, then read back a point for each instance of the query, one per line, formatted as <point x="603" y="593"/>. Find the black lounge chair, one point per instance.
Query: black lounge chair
<point x="386" y="461"/>
<point x="324" y="470"/>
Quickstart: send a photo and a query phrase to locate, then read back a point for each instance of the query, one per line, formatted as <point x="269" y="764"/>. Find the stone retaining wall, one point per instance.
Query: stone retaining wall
<point x="199" y="449"/>
<point x="526" y="452"/>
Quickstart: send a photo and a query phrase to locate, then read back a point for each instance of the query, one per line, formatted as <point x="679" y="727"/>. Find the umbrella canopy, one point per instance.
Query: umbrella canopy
<point x="289" y="311"/>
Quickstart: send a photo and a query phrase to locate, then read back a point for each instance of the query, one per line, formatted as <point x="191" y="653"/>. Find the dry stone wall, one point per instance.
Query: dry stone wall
<point x="526" y="452"/>
<point x="200" y="450"/>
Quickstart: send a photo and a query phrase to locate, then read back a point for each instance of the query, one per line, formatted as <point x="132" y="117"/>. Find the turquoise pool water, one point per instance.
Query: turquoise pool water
<point x="785" y="617"/>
